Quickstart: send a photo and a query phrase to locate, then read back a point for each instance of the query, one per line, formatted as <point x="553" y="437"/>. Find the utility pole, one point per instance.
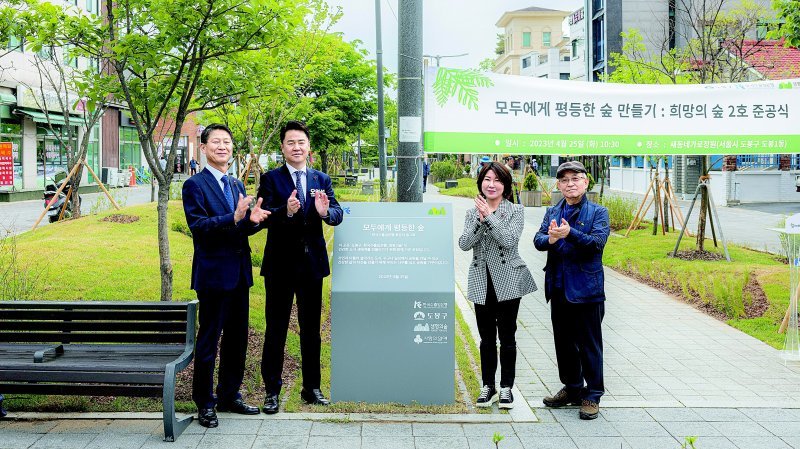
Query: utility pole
<point x="409" y="102"/>
<point x="381" y="128"/>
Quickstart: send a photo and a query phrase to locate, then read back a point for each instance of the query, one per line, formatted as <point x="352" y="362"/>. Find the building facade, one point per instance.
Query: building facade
<point x="527" y="31"/>
<point x="31" y="119"/>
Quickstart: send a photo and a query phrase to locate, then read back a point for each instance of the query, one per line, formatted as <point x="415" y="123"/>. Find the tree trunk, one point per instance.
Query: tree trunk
<point x="701" y="218"/>
<point x="656" y="204"/>
<point x="323" y="155"/>
<point x="163" y="243"/>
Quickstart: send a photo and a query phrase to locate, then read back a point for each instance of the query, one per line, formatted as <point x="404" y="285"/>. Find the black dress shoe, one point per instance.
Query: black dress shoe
<point x="238" y="406"/>
<point x="314" y="397"/>
<point x="208" y="418"/>
<point x="271" y="404"/>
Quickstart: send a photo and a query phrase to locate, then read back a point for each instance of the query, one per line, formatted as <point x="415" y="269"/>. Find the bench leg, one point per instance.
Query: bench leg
<point x="173" y="427"/>
<point x="3" y="411"/>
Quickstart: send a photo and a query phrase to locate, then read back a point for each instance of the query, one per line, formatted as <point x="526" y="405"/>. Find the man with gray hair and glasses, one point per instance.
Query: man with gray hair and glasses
<point x="574" y="232"/>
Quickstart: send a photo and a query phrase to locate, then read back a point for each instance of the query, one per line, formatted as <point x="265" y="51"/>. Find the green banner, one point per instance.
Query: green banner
<point x="457" y="142"/>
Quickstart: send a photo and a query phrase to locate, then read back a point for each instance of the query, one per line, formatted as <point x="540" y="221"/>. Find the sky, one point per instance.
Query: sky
<point x="450" y="27"/>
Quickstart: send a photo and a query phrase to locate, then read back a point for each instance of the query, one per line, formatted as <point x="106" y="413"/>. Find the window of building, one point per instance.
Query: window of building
<point x="69" y="60"/>
<point x="597" y="5"/>
<point x="15" y="43"/>
<point x="93" y="152"/>
<point x="91" y="6"/>
<point x="11" y="131"/>
<point x="574" y="49"/>
<point x="546" y="39"/>
<point x="599" y="41"/>
<point x="51" y="156"/>
<point x="526" y="39"/>
<point x="563" y="76"/>
<point x="626" y="161"/>
<point x="130" y="150"/>
<point x="615" y="161"/>
<point x="46" y="53"/>
<point x="765" y="26"/>
<point x="526" y="62"/>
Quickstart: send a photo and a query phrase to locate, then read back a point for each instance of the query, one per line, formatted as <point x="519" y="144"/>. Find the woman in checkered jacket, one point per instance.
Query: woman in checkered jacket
<point x="498" y="278"/>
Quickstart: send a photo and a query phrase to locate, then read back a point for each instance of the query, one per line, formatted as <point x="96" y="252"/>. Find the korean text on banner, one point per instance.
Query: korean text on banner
<point x="468" y="111"/>
<point x="6" y="164"/>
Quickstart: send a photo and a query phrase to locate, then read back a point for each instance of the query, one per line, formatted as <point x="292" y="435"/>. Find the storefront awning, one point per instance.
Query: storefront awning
<point x="41" y="117"/>
<point x="7" y="99"/>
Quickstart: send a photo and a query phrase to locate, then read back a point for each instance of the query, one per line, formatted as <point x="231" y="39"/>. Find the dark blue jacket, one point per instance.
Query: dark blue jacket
<point x="290" y="237"/>
<point x="221" y="250"/>
<point x="579" y="255"/>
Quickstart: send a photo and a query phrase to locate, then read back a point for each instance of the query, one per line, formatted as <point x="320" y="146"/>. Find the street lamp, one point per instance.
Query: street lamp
<point x="439" y="57"/>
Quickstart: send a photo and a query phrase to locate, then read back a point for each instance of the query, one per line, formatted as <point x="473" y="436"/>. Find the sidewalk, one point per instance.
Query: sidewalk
<point x="670" y="371"/>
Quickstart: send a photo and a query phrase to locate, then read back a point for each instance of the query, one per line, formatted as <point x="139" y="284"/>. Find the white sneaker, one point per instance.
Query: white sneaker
<point x="487" y="397"/>
<point x="506" y="398"/>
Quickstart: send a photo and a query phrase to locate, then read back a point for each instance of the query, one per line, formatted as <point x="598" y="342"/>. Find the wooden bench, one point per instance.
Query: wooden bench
<point x="131" y="349"/>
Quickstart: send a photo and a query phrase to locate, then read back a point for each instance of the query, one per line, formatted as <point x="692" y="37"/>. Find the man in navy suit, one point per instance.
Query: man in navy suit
<point x="574" y="232"/>
<point x="295" y="261"/>
<point x="219" y="216"/>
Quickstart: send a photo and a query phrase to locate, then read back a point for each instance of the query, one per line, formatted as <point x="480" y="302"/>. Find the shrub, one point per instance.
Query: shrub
<point x="591" y="182"/>
<point x="531" y="182"/>
<point x="620" y="211"/>
<point x="444" y="170"/>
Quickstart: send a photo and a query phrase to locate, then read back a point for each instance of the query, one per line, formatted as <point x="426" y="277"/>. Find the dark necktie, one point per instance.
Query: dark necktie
<point x="301" y="194"/>
<point x="228" y="193"/>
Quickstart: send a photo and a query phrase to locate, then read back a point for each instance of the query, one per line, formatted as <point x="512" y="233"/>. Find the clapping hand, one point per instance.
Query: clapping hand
<point x="257" y="215"/>
<point x="321" y="202"/>
<point x="241" y="207"/>
<point x="293" y="204"/>
<point x="558" y="232"/>
<point x="482" y="206"/>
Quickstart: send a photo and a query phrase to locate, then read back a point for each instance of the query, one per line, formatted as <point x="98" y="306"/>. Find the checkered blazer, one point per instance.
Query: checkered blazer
<point x="494" y="244"/>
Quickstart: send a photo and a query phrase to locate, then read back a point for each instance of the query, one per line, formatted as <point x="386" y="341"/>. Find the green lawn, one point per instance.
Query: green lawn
<point x="466" y="188"/>
<point x="112" y="261"/>
<point x="718" y="284"/>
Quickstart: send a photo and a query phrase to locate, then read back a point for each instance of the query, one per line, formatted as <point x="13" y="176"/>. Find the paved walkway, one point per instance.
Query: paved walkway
<point x="671" y="371"/>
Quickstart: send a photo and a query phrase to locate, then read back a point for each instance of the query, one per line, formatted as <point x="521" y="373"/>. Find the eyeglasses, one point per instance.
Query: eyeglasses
<point x="573" y="180"/>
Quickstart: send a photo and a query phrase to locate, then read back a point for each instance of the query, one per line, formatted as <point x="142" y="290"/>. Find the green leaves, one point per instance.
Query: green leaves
<point x="460" y="82"/>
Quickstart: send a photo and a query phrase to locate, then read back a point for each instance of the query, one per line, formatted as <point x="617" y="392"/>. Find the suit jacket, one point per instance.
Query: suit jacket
<point x="221" y="250"/>
<point x="580" y="254"/>
<point x="299" y="236"/>
<point x="494" y="243"/>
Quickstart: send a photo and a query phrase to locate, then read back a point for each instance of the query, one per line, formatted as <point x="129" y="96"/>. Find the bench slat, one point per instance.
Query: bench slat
<point x="94" y="315"/>
<point x="81" y="376"/>
<point x="141" y="326"/>
<point x="96" y="337"/>
<point x="141" y="391"/>
<point x="89" y="305"/>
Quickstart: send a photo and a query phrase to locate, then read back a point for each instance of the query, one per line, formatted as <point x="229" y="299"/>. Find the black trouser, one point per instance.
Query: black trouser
<point x="278" y="309"/>
<point x="497" y="318"/>
<point x="222" y="312"/>
<point x="579" y="345"/>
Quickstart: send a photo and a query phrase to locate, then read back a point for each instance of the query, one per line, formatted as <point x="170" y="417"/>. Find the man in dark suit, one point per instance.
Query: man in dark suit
<point x="217" y="212"/>
<point x="574" y="232"/>
<point x="295" y="261"/>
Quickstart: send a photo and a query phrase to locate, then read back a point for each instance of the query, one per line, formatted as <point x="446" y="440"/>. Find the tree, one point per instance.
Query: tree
<point x="500" y="45"/>
<point x="369" y="152"/>
<point x="789" y="12"/>
<point x="341" y="102"/>
<point x="715" y="51"/>
<point x="487" y="65"/>
<point x="66" y="85"/>
<point x="281" y="79"/>
<point x="172" y="58"/>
